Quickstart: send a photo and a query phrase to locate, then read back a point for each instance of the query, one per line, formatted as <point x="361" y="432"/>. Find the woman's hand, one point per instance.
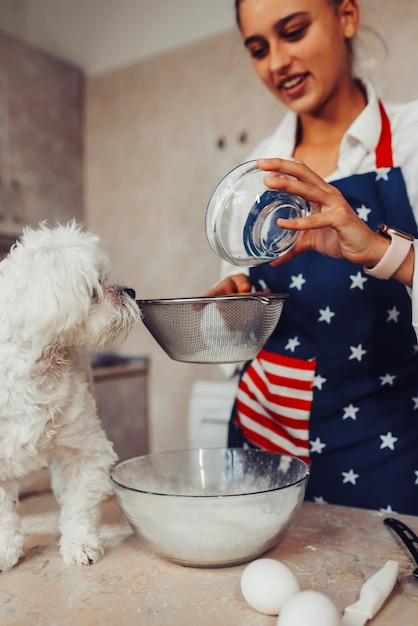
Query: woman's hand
<point x="332" y="228"/>
<point x="237" y="283"/>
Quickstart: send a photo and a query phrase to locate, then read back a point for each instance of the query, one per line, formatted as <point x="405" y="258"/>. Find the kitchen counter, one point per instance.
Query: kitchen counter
<point x="329" y="548"/>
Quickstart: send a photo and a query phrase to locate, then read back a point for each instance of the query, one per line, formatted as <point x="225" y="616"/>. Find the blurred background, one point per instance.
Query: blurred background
<point x="126" y="115"/>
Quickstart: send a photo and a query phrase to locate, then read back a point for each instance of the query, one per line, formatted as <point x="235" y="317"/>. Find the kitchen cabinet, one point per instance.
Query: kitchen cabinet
<point x="41" y="102"/>
<point x="122" y="404"/>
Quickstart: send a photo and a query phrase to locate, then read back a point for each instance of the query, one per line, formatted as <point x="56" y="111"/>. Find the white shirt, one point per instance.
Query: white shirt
<point x="357" y="155"/>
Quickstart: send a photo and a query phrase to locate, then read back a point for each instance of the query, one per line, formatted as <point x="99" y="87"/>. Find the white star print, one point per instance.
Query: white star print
<point x="319" y="499"/>
<point x="317" y="445"/>
<point x="357" y="280"/>
<point x="363" y="213"/>
<point x="350" y="477"/>
<point x="325" y="315"/>
<point x="387" y="379"/>
<point x="388" y="441"/>
<point x="388" y="509"/>
<point x="292" y="344"/>
<point x="350" y="411"/>
<point x="297" y="282"/>
<point x="416" y="474"/>
<point x="318" y="381"/>
<point x="357" y="352"/>
<point x="415" y="401"/>
<point x="393" y="314"/>
<point x="382" y="173"/>
<point x="261" y="284"/>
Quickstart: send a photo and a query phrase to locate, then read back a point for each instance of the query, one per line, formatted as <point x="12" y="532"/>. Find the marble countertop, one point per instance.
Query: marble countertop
<point x="331" y="549"/>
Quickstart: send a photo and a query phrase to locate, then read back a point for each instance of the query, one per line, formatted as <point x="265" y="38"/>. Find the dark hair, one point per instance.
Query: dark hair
<point x="237" y="18"/>
<point x="238" y="4"/>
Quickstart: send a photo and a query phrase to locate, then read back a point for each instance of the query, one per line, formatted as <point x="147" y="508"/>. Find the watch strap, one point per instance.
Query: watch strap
<point x="394" y="256"/>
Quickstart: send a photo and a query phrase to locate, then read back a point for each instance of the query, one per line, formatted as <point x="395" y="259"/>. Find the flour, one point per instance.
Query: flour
<point x="212" y="531"/>
<point x="219" y="353"/>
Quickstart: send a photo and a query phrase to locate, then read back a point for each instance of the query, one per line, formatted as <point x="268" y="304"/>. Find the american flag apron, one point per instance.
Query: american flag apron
<point x="337" y="383"/>
<point x="274" y="402"/>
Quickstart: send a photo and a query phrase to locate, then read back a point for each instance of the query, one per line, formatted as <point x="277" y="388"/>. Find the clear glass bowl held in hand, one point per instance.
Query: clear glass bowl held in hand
<point x="242" y="214"/>
<point x="210" y="507"/>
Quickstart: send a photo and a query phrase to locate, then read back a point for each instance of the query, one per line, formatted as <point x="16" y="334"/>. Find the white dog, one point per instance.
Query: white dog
<point x="56" y="301"/>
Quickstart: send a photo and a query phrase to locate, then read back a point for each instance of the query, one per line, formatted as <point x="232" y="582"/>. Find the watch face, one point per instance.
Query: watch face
<point x="388" y="231"/>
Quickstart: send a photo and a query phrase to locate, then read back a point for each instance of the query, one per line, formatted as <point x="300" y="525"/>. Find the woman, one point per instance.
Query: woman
<point x="337" y="383"/>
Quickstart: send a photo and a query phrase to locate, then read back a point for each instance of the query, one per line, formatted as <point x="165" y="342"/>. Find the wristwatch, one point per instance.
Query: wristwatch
<point x="394" y="256"/>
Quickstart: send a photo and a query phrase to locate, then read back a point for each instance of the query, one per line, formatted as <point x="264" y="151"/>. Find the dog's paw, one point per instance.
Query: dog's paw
<point x="12" y="552"/>
<point x="81" y="553"/>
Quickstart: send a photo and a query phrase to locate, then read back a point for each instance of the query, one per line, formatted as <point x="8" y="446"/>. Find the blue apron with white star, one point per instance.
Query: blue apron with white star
<point x="337" y="383"/>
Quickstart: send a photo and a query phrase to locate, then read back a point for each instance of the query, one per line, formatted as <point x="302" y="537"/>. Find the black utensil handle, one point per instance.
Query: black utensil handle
<point x="407" y="535"/>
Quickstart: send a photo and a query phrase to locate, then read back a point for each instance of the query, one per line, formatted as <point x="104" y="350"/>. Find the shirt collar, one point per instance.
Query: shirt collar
<point x="366" y="128"/>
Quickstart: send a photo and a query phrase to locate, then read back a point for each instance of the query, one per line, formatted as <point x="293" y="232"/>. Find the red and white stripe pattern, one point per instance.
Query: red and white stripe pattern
<point x="274" y="402"/>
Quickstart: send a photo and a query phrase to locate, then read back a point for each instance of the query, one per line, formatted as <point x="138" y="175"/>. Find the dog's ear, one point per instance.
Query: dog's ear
<point x="56" y="291"/>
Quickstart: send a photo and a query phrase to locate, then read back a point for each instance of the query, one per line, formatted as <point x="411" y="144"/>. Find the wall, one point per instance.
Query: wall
<point x="152" y="160"/>
<point x="41" y="142"/>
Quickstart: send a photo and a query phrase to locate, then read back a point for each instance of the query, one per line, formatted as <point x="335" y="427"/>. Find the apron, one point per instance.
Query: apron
<point x="337" y="383"/>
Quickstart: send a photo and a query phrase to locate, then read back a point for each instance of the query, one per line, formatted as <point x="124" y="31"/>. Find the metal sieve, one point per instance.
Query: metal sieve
<point x="220" y="329"/>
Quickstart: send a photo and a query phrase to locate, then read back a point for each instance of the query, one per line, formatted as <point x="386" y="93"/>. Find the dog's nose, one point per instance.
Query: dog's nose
<point x="130" y="292"/>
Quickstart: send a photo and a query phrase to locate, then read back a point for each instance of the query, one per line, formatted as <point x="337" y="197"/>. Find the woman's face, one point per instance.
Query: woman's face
<point x="299" y="48"/>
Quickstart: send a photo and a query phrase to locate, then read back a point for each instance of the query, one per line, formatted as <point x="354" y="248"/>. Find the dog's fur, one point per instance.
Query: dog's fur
<point x="56" y="302"/>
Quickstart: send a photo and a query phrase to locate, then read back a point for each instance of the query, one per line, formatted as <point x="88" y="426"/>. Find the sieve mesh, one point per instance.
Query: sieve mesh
<point x="222" y="329"/>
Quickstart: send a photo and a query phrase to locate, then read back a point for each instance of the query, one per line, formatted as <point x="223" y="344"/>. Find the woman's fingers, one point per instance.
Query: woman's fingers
<point x="237" y="283"/>
<point x="297" y="178"/>
<point x="296" y="169"/>
<point x="311" y="222"/>
<point x="326" y="197"/>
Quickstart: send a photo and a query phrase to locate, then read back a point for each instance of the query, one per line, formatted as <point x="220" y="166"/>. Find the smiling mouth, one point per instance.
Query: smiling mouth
<point x="294" y="81"/>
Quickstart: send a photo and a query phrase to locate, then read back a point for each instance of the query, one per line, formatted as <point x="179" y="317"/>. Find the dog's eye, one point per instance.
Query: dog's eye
<point x="95" y="295"/>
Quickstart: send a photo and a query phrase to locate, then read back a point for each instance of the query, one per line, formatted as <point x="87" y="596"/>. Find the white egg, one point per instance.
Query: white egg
<point x="309" y="608"/>
<point x="266" y="584"/>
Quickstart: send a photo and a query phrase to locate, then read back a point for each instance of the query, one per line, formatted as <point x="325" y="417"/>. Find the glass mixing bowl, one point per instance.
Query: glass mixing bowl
<point x="210" y="507"/>
<point x="241" y="218"/>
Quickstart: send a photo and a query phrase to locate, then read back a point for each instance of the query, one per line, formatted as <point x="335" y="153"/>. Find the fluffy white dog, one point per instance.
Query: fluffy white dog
<point x="56" y="301"/>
